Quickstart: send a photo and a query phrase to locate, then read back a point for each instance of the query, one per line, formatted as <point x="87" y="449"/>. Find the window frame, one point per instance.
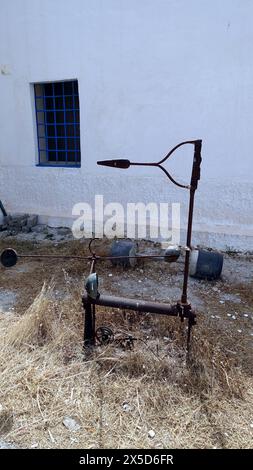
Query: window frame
<point x="42" y="126"/>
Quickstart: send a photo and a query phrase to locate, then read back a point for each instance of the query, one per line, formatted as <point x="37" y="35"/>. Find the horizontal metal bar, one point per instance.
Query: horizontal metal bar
<point x="59" y="123"/>
<point x="55" y="150"/>
<point x="72" y="123"/>
<point x="54" y="96"/>
<point x="50" y="110"/>
<point x="88" y="257"/>
<point x="62" y="137"/>
<point x="134" y="304"/>
<point x="62" y="165"/>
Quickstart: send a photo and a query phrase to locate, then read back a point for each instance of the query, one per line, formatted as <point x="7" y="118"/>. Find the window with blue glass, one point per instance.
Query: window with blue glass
<point x="58" y="123"/>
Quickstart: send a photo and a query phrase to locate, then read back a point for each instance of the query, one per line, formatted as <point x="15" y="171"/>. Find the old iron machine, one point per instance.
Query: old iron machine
<point x="182" y="308"/>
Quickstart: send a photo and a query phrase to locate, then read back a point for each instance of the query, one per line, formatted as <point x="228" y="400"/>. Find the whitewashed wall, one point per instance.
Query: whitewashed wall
<point x="151" y="73"/>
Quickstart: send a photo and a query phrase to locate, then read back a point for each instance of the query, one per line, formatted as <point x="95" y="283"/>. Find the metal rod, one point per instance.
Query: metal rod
<point x="195" y="176"/>
<point x="93" y="323"/>
<point x="93" y="265"/>
<point x="158" y="165"/>
<point x="3" y="209"/>
<point x="90" y="257"/>
<point x="89" y="336"/>
<point x="187" y="254"/>
<point x="175" y="148"/>
<point x="186" y="186"/>
<point x="190" y="323"/>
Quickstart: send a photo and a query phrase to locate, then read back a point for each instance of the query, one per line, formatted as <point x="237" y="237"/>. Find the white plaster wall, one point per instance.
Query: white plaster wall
<point x="151" y="73"/>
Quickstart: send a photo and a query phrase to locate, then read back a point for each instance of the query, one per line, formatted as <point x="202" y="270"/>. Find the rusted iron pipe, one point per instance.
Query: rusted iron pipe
<point x="195" y="176"/>
<point x="89" y="325"/>
<point x="134" y="304"/>
<point x="90" y="257"/>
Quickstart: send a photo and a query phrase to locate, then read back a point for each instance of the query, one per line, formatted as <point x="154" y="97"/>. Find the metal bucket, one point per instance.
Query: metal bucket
<point x="123" y="248"/>
<point x="205" y="264"/>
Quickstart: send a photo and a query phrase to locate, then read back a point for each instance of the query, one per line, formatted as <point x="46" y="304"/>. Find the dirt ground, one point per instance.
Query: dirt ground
<point x="115" y="395"/>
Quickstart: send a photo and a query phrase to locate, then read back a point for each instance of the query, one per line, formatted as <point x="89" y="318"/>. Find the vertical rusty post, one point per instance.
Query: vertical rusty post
<point x="188" y="244"/>
<point x="194" y="184"/>
<point x="89" y="315"/>
<point x="93" y="323"/>
<point x="89" y="336"/>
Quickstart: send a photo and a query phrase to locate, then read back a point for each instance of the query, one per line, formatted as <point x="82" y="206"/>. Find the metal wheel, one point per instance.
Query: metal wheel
<point x="104" y="335"/>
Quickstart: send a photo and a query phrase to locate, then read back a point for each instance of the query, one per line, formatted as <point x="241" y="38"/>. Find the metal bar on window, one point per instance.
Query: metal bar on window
<point x="37" y="121"/>
<point x="56" y="96"/>
<point x="55" y="128"/>
<point x="74" y="124"/>
<point x="45" y="122"/>
<point x="65" y="128"/>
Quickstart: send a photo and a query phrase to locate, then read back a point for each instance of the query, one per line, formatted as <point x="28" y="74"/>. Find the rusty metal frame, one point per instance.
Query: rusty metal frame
<point x="182" y="308"/>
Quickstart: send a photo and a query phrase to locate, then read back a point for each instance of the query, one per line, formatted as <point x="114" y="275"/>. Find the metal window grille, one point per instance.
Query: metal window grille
<point x="58" y="123"/>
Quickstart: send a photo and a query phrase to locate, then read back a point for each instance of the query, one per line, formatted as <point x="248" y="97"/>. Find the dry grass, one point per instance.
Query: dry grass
<point x="203" y="402"/>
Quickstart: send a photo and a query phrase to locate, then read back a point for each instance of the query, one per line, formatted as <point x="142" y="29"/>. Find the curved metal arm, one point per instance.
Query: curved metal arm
<point x="175" y="148"/>
<point x="172" y="179"/>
